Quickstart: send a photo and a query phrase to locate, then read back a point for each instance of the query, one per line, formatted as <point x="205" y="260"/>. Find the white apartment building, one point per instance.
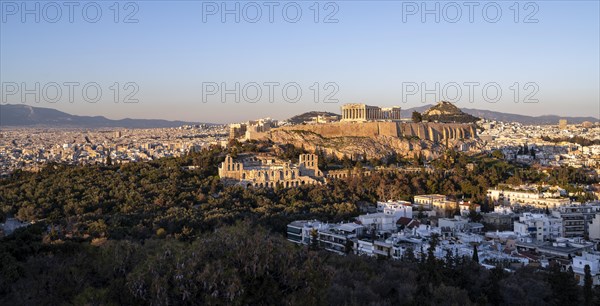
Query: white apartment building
<point x="300" y="231"/>
<point x="594" y="228"/>
<point x="427" y="200"/>
<point x="455" y="224"/>
<point x="465" y="208"/>
<point x="591" y="259"/>
<point x="528" y="198"/>
<point x="378" y="221"/>
<point x="539" y="226"/>
<point x="397" y="209"/>
<point x="335" y="238"/>
<point x="374" y="248"/>
<point x="331" y="237"/>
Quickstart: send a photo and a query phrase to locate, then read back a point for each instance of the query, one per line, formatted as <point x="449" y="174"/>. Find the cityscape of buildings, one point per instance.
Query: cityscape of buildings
<point x="526" y="144"/>
<point x="30" y="149"/>
<point x="568" y="235"/>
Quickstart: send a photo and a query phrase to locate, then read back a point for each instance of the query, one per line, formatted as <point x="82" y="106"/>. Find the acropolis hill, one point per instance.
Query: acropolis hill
<point x="374" y="132"/>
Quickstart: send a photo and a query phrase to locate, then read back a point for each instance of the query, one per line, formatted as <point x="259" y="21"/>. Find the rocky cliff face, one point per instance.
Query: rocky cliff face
<point x="376" y="139"/>
<point x="363" y="146"/>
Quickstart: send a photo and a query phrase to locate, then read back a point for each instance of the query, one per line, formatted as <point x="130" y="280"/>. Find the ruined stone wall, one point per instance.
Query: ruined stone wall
<point x="423" y="130"/>
<point x="439" y="131"/>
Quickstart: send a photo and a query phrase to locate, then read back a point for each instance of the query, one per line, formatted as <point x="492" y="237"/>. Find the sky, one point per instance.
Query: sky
<point x="231" y="61"/>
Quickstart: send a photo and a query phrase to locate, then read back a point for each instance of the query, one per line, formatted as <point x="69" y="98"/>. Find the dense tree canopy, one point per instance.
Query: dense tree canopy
<point x="161" y="232"/>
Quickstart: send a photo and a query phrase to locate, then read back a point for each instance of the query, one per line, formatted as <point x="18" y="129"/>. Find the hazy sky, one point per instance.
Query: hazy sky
<point x="175" y="56"/>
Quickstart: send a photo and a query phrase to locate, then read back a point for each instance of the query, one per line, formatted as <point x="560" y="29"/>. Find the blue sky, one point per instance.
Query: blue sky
<point x="369" y="55"/>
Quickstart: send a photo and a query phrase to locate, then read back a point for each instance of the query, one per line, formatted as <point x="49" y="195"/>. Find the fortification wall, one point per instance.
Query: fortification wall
<point x="423" y="130"/>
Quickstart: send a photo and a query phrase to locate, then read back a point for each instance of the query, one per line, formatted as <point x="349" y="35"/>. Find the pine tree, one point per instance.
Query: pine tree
<point x="349" y="246"/>
<point x="416" y="117"/>
<point x="433" y="243"/>
<point x="587" y="286"/>
<point x="409" y="254"/>
<point x="314" y="240"/>
<point x="449" y="259"/>
<point x="475" y="255"/>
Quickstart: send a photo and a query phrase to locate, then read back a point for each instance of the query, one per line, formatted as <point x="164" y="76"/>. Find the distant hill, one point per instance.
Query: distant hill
<point x="506" y="117"/>
<point x="28" y="116"/>
<point x="447" y="112"/>
<point x="306" y="117"/>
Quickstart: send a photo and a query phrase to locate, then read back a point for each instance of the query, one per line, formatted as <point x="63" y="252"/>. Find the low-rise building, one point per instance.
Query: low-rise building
<point x="499" y="220"/>
<point x="426" y="201"/>
<point x="380" y="222"/>
<point x="525" y="198"/>
<point x="371" y="247"/>
<point x="398" y="209"/>
<point x="340" y="238"/>
<point x="455" y="224"/>
<point x="591" y="259"/>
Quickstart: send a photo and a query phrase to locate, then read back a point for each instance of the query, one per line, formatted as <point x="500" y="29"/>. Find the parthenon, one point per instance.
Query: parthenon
<point x="362" y="112"/>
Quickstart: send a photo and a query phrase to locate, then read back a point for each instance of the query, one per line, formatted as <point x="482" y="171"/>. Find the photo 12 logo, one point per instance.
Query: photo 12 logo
<point x="55" y="92"/>
<point x="271" y="92"/>
<point x="490" y="92"/>
<point x="469" y="11"/>
<point x="269" y="12"/>
<point x="68" y="11"/>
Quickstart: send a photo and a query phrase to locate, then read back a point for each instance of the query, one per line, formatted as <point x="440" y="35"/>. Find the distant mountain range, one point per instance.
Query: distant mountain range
<point x="16" y="115"/>
<point x="505" y="117"/>
<point x="28" y="116"/>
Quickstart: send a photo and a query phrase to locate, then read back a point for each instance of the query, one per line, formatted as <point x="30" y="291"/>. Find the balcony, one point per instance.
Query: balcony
<point x="385" y="253"/>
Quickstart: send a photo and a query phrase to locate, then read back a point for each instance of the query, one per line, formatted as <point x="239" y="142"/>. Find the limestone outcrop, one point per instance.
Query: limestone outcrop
<point x="447" y="112"/>
<point x="376" y="139"/>
<point x="357" y="147"/>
